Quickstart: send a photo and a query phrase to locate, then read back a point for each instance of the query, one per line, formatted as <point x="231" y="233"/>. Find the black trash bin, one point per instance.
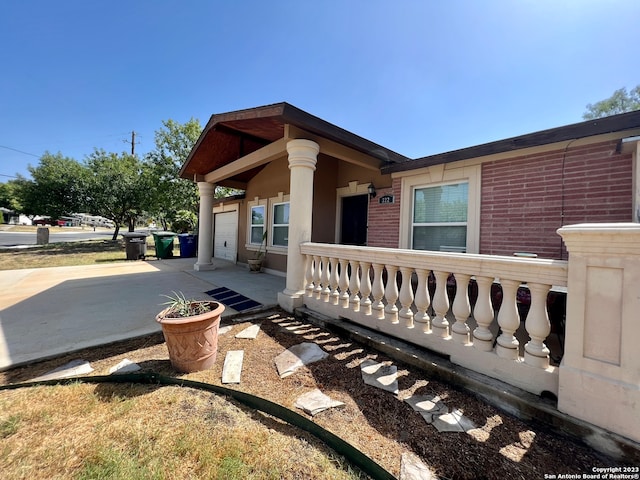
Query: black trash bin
<point x="188" y="245"/>
<point x="135" y="244"/>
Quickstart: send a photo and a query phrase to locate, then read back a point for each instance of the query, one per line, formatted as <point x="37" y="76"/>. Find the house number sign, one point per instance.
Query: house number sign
<point x="387" y="199"/>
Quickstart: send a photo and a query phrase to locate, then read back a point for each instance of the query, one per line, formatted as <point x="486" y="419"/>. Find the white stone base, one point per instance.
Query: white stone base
<point x="203" y="267"/>
<point x="599" y="400"/>
<point x="290" y="302"/>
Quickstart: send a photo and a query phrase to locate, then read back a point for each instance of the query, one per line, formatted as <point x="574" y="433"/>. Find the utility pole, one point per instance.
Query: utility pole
<point x="133" y="142"/>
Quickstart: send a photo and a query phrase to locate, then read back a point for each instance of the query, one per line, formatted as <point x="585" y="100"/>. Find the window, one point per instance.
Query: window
<point x="440" y="218"/>
<point x="280" y="228"/>
<point x="257" y="224"/>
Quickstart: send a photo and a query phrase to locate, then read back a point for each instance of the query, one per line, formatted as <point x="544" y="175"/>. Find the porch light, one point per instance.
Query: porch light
<point x="372" y="190"/>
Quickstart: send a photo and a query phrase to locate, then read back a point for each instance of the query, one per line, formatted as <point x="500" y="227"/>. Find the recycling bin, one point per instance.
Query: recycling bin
<point x="135" y="244"/>
<point x="188" y="245"/>
<point x="164" y="244"/>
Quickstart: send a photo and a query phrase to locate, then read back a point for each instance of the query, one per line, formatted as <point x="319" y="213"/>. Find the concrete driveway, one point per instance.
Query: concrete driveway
<point x="49" y="311"/>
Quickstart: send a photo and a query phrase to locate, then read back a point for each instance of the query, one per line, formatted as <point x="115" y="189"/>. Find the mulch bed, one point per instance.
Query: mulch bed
<point x="378" y="423"/>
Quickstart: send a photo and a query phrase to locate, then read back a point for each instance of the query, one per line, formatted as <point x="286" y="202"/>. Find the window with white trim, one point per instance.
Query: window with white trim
<point x="258" y="224"/>
<point x="280" y="225"/>
<point x="439" y="219"/>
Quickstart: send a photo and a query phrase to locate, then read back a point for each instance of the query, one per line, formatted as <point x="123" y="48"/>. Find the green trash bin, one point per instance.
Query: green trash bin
<point x="164" y="244"/>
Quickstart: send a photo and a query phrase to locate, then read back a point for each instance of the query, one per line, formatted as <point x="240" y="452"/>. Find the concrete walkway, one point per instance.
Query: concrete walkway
<point x="48" y="311"/>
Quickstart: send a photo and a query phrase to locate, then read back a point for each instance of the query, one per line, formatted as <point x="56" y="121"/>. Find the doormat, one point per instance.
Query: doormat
<point x="232" y="299"/>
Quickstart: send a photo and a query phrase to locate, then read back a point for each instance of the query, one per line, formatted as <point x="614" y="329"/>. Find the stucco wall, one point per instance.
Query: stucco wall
<point x="524" y="199"/>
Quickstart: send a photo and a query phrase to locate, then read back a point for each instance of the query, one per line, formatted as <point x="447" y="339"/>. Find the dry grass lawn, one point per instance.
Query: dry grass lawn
<point x="65" y="254"/>
<point x="169" y="432"/>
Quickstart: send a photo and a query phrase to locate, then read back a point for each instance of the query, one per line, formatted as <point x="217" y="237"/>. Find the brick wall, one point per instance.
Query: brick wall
<point x="384" y="219"/>
<point x="523" y="198"/>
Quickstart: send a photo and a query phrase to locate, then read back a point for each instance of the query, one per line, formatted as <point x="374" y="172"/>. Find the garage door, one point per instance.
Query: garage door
<point x="225" y="236"/>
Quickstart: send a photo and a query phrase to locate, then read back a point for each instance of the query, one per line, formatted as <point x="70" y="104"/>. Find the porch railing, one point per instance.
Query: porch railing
<point x="411" y="295"/>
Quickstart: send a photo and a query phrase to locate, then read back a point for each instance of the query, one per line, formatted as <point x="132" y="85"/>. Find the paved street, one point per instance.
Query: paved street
<point x="56" y="234"/>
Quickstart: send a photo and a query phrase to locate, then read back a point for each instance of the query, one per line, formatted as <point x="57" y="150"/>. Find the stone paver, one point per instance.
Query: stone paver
<point x="380" y="375"/>
<point x="297" y="356"/>
<point x="125" y="366"/>
<point x="232" y="367"/>
<point x="412" y="468"/>
<point x="315" y="401"/>
<point x="72" y="369"/>
<point x="428" y="406"/>
<point x="249" y="332"/>
<point x="453" y="422"/>
<point x="225" y="329"/>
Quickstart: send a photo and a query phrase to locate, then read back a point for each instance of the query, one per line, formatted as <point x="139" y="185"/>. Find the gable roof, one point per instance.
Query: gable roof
<point x="232" y="135"/>
<point x="598" y="126"/>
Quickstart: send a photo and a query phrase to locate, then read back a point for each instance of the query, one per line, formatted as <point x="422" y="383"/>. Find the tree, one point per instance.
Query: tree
<point x="117" y="187"/>
<point x="10" y="195"/>
<point x="58" y="187"/>
<point x="169" y="193"/>
<point x="620" y="102"/>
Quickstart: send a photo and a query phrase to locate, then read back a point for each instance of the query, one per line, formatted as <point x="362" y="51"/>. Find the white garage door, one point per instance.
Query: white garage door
<point x="225" y="236"/>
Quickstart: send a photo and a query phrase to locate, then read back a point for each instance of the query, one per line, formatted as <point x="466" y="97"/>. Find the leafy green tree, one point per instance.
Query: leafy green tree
<point x="620" y="102"/>
<point x="58" y="187"/>
<point x="117" y="187"/>
<point x="168" y="192"/>
<point x="10" y="195"/>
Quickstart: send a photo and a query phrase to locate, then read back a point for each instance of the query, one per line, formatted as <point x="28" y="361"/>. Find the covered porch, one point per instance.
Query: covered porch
<point x="406" y="293"/>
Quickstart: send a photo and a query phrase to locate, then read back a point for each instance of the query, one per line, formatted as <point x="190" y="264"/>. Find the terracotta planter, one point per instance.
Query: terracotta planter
<point x="255" y="265"/>
<point x="192" y="341"/>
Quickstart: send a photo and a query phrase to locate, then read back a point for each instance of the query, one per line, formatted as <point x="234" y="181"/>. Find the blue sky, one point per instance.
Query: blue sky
<point x="419" y="77"/>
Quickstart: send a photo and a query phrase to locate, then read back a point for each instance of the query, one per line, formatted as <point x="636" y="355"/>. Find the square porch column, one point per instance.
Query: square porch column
<point x="205" y="227"/>
<point x="303" y="156"/>
<point x="599" y="377"/>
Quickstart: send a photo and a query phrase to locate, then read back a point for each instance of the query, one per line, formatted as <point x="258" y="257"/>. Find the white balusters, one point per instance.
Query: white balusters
<point x="461" y="309"/>
<point x="365" y="288"/>
<point x="343" y="283"/>
<point x="440" y="324"/>
<point x="391" y="294"/>
<point x="538" y="327"/>
<point x="483" y="314"/>
<point x="317" y="274"/>
<point x="406" y="297"/>
<point x="334" y="282"/>
<point x="354" y="286"/>
<point x="422" y="300"/>
<point x="326" y="291"/>
<point x="378" y="291"/>
<point x="509" y="321"/>
<point x="308" y="275"/>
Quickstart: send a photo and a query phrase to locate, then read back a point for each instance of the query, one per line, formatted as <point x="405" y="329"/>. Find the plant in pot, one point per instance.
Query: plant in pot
<point x="190" y="329"/>
<point x="255" y="263"/>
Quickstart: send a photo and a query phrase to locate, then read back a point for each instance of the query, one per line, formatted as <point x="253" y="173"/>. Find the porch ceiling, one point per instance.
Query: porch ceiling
<point x="228" y="137"/>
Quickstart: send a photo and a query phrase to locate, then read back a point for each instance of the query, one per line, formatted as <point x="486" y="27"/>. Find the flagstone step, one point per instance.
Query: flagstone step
<point x="250" y="332"/>
<point x="232" y="367"/>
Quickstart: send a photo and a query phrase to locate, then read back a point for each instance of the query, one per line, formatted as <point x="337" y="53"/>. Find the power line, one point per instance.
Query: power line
<point x="20" y="151"/>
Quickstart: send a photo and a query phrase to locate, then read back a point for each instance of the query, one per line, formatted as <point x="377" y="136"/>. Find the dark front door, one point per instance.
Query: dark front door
<point x="354" y="220"/>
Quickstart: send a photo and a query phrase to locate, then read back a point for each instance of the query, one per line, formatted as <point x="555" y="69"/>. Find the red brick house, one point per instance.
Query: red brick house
<point x="498" y="198"/>
<point x="369" y="236"/>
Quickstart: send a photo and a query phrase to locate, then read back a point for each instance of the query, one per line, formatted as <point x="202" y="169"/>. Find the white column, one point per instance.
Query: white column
<point x="205" y="227"/>
<point x="303" y="156"/>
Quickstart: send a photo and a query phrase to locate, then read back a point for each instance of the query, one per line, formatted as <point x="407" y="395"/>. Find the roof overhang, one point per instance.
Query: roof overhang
<point x="621" y="123"/>
<point x="234" y="146"/>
